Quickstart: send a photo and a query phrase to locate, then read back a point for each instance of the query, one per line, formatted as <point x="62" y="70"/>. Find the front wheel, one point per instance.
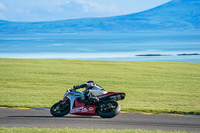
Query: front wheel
<point x="109" y="109"/>
<point x="59" y="109"/>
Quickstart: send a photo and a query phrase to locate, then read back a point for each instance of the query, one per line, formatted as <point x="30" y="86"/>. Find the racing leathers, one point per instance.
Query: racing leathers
<point x="92" y="90"/>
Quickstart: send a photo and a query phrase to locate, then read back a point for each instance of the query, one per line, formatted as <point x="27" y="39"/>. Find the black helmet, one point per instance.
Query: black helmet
<point x="91" y="81"/>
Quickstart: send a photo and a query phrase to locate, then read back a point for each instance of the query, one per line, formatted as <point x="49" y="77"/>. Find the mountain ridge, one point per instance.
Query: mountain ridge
<point x="177" y="15"/>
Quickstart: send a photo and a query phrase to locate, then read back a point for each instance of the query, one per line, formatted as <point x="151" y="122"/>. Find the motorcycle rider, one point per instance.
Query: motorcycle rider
<point x="92" y="90"/>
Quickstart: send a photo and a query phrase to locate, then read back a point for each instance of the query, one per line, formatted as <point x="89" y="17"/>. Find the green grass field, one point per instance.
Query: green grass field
<point x="70" y="130"/>
<point x="150" y="86"/>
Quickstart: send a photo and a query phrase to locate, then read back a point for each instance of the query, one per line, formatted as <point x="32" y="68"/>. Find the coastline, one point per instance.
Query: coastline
<point x="193" y="57"/>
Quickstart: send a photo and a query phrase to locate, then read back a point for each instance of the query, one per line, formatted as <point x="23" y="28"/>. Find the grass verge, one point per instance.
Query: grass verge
<point x="152" y="87"/>
<point x="70" y="130"/>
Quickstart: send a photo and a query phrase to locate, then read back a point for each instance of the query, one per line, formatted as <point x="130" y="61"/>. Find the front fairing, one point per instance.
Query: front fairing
<point x="65" y="95"/>
<point x="79" y="108"/>
<point x="73" y="93"/>
<point x="76" y="94"/>
<point x="72" y="96"/>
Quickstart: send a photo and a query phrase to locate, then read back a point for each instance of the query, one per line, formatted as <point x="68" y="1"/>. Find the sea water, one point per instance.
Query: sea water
<point x="156" y="47"/>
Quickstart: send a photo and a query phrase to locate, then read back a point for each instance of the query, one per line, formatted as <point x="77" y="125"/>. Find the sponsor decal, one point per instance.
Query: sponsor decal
<point x="80" y="109"/>
<point x="91" y="108"/>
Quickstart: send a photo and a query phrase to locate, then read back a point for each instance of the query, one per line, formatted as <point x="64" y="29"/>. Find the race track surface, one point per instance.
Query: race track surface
<point x="42" y="118"/>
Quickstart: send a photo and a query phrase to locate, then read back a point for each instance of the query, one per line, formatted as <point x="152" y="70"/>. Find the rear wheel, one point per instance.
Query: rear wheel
<point x="109" y="109"/>
<point x="59" y="109"/>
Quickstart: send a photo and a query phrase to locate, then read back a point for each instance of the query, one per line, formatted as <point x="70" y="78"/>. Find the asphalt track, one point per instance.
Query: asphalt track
<point x="42" y="118"/>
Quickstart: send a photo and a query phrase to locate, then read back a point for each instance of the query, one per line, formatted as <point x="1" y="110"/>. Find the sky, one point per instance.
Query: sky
<point x="50" y="10"/>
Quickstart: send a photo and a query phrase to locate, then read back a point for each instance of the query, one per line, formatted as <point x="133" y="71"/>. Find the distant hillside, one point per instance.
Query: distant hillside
<point x="177" y="15"/>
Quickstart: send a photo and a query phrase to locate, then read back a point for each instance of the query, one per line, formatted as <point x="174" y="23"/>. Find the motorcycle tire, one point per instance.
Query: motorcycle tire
<point x="109" y="113"/>
<point x="59" y="113"/>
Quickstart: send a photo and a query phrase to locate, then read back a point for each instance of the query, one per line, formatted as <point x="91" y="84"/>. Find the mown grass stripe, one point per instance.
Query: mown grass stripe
<point x="151" y="87"/>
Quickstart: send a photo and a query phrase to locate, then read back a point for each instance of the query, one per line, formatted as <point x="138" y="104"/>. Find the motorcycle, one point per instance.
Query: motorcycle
<point x="74" y="102"/>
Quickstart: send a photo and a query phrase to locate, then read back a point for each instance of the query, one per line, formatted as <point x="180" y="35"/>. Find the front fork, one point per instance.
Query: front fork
<point x="63" y="104"/>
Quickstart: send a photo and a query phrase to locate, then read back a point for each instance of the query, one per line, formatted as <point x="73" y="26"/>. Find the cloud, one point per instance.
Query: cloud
<point x="2" y="7"/>
<point x="86" y="8"/>
<point x="2" y="10"/>
<point x="93" y="6"/>
<point x="58" y="10"/>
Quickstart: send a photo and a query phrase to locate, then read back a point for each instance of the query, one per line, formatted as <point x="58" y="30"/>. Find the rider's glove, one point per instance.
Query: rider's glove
<point x="75" y="87"/>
